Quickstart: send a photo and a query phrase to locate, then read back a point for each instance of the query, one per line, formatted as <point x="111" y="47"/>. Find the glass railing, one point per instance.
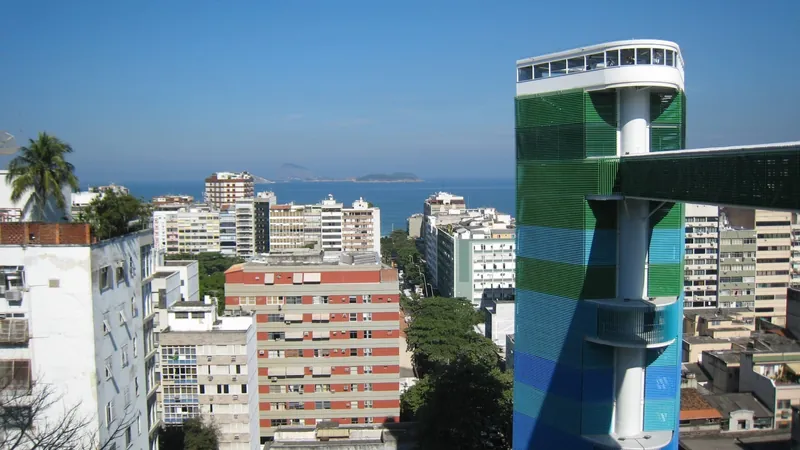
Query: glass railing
<point x="638" y="322"/>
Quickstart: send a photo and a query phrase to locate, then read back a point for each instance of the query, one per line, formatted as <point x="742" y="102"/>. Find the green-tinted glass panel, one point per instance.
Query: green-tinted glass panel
<point x="665" y="280"/>
<point x="554" y="109"/>
<point x="566" y="280"/>
<point x="665" y="138"/>
<point x="551" y="142"/>
<point x="601" y="123"/>
<point x="667" y="108"/>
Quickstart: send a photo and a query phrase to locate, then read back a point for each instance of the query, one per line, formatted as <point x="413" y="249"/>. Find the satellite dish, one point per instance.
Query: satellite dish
<point x="8" y="145"/>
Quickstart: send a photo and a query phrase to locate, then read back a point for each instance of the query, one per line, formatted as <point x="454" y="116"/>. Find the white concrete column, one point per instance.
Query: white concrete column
<point x="634" y="119"/>
<point x="629" y="380"/>
<point x="634" y="230"/>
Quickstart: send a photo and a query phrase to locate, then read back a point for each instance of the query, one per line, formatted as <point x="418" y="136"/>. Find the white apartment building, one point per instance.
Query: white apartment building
<point x="476" y="257"/>
<point x="441" y="208"/>
<point x="78" y="311"/>
<point x="795" y="270"/>
<point x="171" y="202"/>
<point x="188" y="230"/>
<point x="227" y="230"/>
<point x="773" y="264"/>
<point x="245" y="228"/>
<point x="209" y="370"/>
<point x="328" y="225"/>
<point x="701" y="256"/>
<point x="224" y="188"/>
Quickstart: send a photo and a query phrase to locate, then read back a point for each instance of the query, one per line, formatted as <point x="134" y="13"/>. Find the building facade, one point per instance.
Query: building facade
<point x="171" y="202"/>
<point x="441" y="208"/>
<point x="227" y="230"/>
<point x="245" y="228"/>
<point x="263" y="202"/>
<point x="583" y="295"/>
<point x="701" y="256"/>
<point x="207" y="371"/>
<point x="476" y="257"/>
<point x="78" y="308"/>
<point x="327" y="225"/>
<point x="188" y="230"/>
<point x="327" y="335"/>
<point x="225" y="188"/>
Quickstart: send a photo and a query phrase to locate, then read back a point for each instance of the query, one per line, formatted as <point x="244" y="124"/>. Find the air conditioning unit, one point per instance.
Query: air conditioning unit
<point x="236" y="397"/>
<point x="14" y="295"/>
<point x="233" y="359"/>
<point x="210" y="378"/>
<point x="235" y="378"/>
<point x="235" y="437"/>
<point x="261" y="352"/>
<point x="208" y="358"/>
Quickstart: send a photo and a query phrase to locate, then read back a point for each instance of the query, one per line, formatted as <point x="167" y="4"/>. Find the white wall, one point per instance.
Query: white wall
<point x="502" y="323"/>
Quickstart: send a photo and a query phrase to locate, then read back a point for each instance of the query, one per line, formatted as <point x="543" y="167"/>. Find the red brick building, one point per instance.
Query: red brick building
<point x="328" y="338"/>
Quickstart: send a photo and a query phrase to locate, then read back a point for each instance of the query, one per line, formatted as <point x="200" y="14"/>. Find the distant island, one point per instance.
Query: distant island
<point x="396" y="177"/>
<point x="289" y="172"/>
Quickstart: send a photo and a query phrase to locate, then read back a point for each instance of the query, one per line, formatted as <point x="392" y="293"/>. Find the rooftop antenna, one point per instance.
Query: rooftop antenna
<point x="8" y="144"/>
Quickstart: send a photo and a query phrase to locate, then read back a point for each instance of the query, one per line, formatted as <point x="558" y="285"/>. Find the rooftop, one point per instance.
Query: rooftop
<point x="718" y="314"/>
<point x="694" y="369"/>
<point x="735" y="401"/>
<point x="310" y="257"/>
<point x="694" y="406"/>
<point x="727" y="356"/>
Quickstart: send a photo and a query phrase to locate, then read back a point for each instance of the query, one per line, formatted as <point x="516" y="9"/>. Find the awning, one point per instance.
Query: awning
<point x="294" y="335"/>
<point x="322" y="370"/>
<point x="322" y="335"/>
<point x="269" y="278"/>
<point x="276" y="371"/>
<point x="297" y="278"/>
<point x="295" y="371"/>
<point x="312" y="277"/>
<point x="292" y="317"/>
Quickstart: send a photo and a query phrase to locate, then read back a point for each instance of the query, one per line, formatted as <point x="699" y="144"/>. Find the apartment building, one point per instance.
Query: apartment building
<point x="245" y="228"/>
<point x="795" y="269"/>
<point x="171" y="202"/>
<point x="227" y="230"/>
<point x="188" y="230"/>
<point x="77" y="309"/>
<point x="441" y="208"/>
<point x="208" y="370"/>
<point x="476" y="258"/>
<point x="224" y="188"/>
<point x="701" y="257"/>
<point x="737" y="268"/>
<point x="361" y="227"/>
<point x="328" y="225"/>
<point x="327" y="331"/>
<point x="773" y="263"/>
<point x="263" y="202"/>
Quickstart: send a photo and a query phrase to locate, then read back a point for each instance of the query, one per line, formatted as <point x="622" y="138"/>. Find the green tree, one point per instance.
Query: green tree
<point x="112" y="214"/>
<point x="194" y="434"/>
<point x="41" y="168"/>
<point x="466" y="406"/>
<point x="401" y="250"/>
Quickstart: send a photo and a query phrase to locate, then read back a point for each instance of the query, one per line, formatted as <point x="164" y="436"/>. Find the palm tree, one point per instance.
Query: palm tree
<point x="41" y="167"/>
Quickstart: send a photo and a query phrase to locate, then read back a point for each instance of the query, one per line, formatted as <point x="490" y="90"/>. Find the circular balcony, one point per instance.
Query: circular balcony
<point x="640" y="323"/>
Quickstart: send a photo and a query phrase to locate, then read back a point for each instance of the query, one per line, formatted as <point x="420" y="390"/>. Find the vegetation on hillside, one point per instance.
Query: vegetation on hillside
<point x="401" y="250"/>
<point x="42" y="169"/>
<point x="112" y="214"/>
<point x="463" y="399"/>
<point x="212" y="267"/>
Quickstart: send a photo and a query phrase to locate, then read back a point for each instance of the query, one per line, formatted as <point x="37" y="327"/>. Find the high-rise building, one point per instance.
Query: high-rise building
<point x="328" y="225"/>
<point x="188" y="230"/>
<point x="737" y="267"/>
<point x="795" y="269"/>
<point x="592" y="369"/>
<point x="701" y="256"/>
<point x="208" y="370"/>
<point x="327" y="333"/>
<point x="441" y="208"/>
<point x="227" y="230"/>
<point x="74" y="324"/>
<point x="263" y="202"/>
<point x="245" y="228"/>
<point x="476" y="257"/>
<point x="224" y="188"/>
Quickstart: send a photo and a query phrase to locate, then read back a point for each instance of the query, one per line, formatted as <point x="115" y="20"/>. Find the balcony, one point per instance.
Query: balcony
<point x="13" y="331"/>
<point x="646" y="323"/>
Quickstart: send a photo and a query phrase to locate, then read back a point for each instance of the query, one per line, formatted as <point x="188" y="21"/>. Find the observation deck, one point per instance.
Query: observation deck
<point x="641" y="323"/>
<point x="645" y="62"/>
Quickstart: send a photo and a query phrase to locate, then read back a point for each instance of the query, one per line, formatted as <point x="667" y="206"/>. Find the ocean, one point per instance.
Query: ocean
<point x="397" y="201"/>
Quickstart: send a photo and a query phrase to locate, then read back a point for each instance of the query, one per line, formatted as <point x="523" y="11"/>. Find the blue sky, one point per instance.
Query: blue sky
<point x="181" y="88"/>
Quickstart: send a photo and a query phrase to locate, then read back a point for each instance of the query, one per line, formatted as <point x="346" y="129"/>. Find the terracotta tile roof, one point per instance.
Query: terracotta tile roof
<point x="695" y="406"/>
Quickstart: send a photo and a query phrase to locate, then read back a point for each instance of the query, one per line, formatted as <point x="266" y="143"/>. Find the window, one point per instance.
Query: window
<point x="136" y="386"/>
<point x="784" y="404"/>
<point x="353" y="317"/>
<point x="367" y="352"/>
<point x="124" y="356"/>
<point x="181" y="315"/>
<point x="367" y="369"/>
<point x="198" y="315"/>
<point x="322" y="405"/>
<point x="106" y="324"/>
<point x="353" y="352"/>
<point x="109" y="413"/>
<point x="541" y="70"/>
<point x="368" y="317"/>
<point x="670" y="58"/>
<point x="368" y="334"/>
<point x="367" y="387"/>
<point x="525" y="73"/>
<point x="642" y="56"/>
<point x="322" y="353"/>
<point x="119" y="273"/>
<point x="627" y="55"/>
<point x="352" y="299"/>
<point x="104" y="278"/>
<point x="354" y="335"/>
<point x="320" y="299"/>
<point x="15" y="373"/>
<point x="367" y="403"/>
<point x="354" y="420"/>
<point x="135" y="347"/>
<point x="558" y="68"/>
<point x="244" y="389"/>
<point x="109" y="368"/>
<point x="247" y="300"/>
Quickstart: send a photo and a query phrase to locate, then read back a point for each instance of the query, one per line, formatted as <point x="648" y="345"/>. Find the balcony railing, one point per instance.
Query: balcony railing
<point x="638" y="323"/>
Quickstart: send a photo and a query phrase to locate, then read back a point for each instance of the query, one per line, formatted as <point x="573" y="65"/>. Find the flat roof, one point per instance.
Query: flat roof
<point x="732" y="149"/>
<point x="736" y="401"/>
<point x="727" y="356"/>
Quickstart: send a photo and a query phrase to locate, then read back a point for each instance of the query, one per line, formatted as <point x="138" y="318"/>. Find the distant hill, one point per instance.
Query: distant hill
<point x="289" y="171"/>
<point x="396" y="177"/>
